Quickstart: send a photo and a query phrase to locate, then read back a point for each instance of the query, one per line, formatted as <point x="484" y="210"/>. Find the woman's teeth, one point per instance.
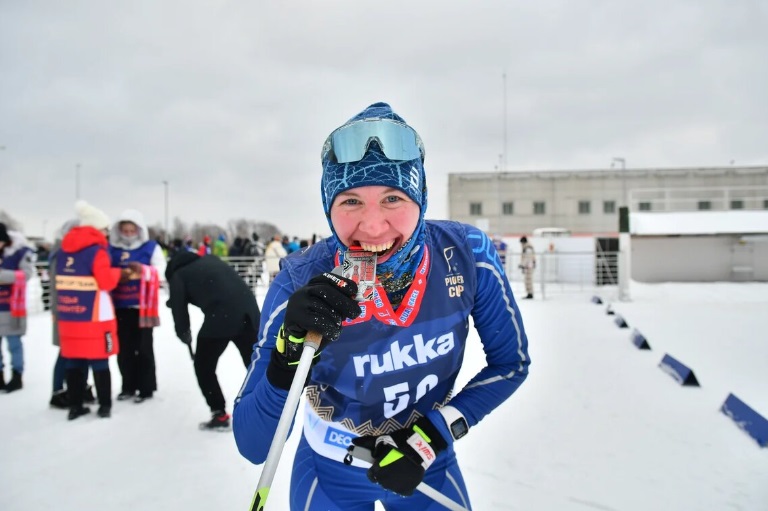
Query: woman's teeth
<point x="378" y="248"/>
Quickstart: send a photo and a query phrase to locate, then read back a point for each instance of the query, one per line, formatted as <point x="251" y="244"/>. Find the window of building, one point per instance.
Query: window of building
<point x="609" y="207"/>
<point x="644" y="206"/>
<point x="584" y="207"/>
<point x="539" y="208"/>
<point x="737" y="204"/>
<point x="475" y="208"/>
<point x="508" y="208"/>
<point x="704" y="205"/>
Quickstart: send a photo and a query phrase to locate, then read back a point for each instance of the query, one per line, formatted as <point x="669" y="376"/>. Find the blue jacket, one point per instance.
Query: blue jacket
<point x="376" y="377"/>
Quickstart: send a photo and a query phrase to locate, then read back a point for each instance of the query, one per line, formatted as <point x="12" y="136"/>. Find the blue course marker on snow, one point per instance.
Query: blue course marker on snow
<point x="751" y="422"/>
<point x="679" y="371"/>
<point x="639" y="340"/>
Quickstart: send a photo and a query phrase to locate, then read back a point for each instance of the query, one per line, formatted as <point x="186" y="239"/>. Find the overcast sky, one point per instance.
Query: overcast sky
<point x="230" y="101"/>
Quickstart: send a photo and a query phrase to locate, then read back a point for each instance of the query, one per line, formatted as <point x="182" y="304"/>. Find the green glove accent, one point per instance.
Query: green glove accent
<point x="289" y="347"/>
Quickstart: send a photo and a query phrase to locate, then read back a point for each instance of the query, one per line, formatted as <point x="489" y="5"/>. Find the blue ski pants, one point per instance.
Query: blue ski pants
<point x="322" y="484"/>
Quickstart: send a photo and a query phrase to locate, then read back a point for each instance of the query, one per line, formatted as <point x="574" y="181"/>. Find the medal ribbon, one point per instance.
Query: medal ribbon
<point x="380" y="307"/>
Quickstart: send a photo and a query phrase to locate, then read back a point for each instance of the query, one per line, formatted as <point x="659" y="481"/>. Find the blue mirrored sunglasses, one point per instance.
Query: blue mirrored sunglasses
<point x="397" y="140"/>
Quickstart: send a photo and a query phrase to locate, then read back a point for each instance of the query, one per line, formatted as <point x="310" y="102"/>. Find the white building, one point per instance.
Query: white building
<point x="587" y="201"/>
<point x="706" y="246"/>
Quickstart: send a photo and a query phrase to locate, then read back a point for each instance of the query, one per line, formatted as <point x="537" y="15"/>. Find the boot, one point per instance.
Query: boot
<point x="219" y="422"/>
<point x="59" y="399"/>
<point x="2" y="379"/>
<point x="103" y="382"/>
<point x="76" y="393"/>
<point x="88" y="396"/>
<point x="14" y="383"/>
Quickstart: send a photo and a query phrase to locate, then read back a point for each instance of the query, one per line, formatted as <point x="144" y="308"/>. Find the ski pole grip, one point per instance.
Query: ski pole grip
<point x="313" y="339"/>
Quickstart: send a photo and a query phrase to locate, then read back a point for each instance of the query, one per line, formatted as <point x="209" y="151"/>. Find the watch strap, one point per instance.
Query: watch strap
<point x="451" y="415"/>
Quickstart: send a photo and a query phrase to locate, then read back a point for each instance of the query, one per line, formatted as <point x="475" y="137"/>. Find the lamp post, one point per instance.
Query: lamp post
<point x="167" y="234"/>
<point x="625" y="252"/>
<point x="503" y="159"/>
<point x="77" y="181"/>
<point x="623" y="163"/>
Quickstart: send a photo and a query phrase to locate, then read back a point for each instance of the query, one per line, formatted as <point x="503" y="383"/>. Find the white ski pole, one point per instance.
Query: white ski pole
<point x="311" y="345"/>
<point x="364" y="454"/>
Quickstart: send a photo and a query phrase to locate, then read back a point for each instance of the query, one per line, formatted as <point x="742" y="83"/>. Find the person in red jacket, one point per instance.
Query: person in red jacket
<point x="85" y="314"/>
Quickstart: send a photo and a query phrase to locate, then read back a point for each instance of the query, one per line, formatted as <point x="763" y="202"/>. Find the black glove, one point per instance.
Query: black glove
<point x="185" y="337"/>
<point x="320" y="306"/>
<point x="402" y="457"/>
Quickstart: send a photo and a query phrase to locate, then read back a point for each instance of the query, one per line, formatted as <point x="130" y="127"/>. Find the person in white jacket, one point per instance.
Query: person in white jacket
<point x="129" y="241"/>
<point x="272" y="255"/>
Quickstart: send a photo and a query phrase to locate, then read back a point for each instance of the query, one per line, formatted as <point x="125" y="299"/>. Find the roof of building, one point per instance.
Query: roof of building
<point x="612" y="171"/>
<point x="698" y="223"/>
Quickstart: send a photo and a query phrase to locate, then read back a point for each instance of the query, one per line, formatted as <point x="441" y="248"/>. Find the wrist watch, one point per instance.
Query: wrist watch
<point x="456" y="422"/>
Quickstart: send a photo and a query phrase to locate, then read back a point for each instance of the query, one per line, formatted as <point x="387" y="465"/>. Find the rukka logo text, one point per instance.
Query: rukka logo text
<point x="399" y="357"/>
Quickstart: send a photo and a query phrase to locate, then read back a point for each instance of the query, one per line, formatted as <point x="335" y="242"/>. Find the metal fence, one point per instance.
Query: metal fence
<point x="251" y="269"/>
<point x="563" y="272"/>
<point x="556" y="272"/>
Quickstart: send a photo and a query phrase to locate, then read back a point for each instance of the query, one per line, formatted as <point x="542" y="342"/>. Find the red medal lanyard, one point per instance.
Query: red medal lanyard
<point x="379" y="303"/>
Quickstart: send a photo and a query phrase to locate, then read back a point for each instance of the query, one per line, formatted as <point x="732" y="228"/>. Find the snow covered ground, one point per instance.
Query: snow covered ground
<point x="597" y="425"/>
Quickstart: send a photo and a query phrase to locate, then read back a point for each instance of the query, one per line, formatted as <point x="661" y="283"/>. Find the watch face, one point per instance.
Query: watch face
<point x="459" y="428"/>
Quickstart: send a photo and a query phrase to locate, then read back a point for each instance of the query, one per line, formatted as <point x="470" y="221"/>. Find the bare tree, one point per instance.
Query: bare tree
<point x="10" y="222"/>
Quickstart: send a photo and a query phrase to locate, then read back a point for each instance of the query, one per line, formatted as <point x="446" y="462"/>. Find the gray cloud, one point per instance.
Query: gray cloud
<point x="230" y="102"/>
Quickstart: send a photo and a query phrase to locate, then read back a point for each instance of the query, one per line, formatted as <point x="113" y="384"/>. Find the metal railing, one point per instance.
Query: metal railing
<point x="250" y="268"/>
<point x="563" y="272"/>
<point x="556" y="272"/>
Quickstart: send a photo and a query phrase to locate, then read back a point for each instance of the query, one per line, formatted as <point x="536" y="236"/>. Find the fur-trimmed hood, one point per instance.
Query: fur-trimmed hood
<point x="134" y="216"/>
<point x="18" y="241"/>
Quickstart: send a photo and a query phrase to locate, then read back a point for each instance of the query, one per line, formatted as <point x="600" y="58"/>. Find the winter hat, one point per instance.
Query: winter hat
<point x="68" y="226"/>
<point x="375" y="169"/>
<point x="91" y="215"/>
<point x="4" y="234"/>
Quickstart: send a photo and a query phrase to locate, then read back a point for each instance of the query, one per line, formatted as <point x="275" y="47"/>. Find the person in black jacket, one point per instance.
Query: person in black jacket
<point x="231" y="314"/>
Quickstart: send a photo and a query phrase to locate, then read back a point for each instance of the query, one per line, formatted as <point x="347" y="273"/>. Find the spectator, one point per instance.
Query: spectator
<point x="17" y="266"/>
<point x="236" y="250"/>
<point x="231" y="314"/>
<point x="293" y="245"/>
<point x="85" y="315"/>
<point x="136" y="311"/>
<point x="205" y="246"/>
<point x="220" y="248"/>
<point x="272" y="255"/>
<point x="253" y="247"/>
<point x="501" y="248"/>
<point x="59" y="395"/>
<point x="527" y="265"/>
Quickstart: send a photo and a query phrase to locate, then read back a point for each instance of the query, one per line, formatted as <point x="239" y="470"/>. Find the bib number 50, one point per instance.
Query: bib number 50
<point x="398" y="396"/>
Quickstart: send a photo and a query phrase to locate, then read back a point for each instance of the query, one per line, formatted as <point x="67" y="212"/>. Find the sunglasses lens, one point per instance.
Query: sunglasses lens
<point x="397" y="141"/>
